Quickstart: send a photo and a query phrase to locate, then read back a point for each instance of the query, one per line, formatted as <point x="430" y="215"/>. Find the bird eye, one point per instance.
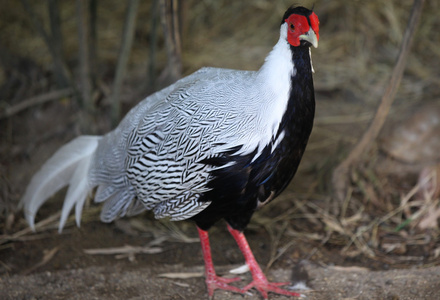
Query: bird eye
<point x="292" y="27"/>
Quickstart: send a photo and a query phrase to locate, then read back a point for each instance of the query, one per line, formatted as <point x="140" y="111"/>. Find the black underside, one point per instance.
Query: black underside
<point x="236" y="190"/>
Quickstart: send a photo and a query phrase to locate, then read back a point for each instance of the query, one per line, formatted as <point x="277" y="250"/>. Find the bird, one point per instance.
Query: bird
<point x="216" y="145"/>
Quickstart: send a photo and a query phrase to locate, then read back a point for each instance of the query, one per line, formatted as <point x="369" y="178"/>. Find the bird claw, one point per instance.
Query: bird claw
<point x="264" y="286"/>
<point x="216" y="282"/>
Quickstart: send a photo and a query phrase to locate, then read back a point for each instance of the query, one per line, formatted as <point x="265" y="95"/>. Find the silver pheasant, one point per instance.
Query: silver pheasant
<point x="216" y="132"/>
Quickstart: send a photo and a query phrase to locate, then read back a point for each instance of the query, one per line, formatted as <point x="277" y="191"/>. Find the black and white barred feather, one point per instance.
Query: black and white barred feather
<point x="168" y="151"/>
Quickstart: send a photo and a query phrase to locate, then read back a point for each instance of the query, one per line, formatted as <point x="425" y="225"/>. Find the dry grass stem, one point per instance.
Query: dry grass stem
<point x="127" y="249"/>
<point x="48" y="255"/>
<point x="185" y="275"/>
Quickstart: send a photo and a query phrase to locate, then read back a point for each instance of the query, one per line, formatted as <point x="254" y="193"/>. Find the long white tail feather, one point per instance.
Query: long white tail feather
<point x="68" y="166"/>
<point x="77" y="193"/>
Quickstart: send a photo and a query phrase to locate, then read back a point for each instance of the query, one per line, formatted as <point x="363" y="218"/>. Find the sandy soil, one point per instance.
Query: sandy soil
<point x="116" y="281"/>
<point x="55" y="266"/>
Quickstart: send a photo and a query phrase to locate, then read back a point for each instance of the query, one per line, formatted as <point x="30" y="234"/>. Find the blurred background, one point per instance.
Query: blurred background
<point x="76" y="67"/>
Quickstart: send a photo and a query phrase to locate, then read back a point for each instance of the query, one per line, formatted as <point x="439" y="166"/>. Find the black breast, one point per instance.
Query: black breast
<point x="237" y="190"/>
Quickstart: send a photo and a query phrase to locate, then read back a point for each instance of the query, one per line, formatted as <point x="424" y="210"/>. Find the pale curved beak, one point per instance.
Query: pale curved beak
<point x="310" y="37"/>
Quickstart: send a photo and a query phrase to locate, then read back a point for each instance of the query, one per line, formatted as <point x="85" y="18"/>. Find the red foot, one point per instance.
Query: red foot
<point x="260" y="281"/>
<point x="214" y="282"/>
<point x="264" y="286"/>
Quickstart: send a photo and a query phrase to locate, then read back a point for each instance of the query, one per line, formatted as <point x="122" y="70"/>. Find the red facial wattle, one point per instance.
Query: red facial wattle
<point x="314" y="22"/>
<point x="298" y="25"/>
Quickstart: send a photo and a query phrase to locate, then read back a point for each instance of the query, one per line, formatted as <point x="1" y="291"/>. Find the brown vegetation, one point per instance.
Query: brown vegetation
<point x="389" y="217"/>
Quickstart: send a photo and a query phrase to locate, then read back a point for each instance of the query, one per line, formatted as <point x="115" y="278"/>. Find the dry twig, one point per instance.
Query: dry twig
<point x="183" y="275"/>
<point x="54" y="46"/>
<point x="153" y="43"/>
<point x="20" y="234"/>
<point x="25" y="104"/>
<point x="127" y="249"/>
<point x="124" y="53"/>
<point x="169" y="11"/>
<point x="341" y="173"/>
<point x="84" y="55"/>
<point x="48" y="255"/>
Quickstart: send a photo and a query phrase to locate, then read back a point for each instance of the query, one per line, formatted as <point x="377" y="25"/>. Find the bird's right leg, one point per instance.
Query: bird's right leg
<point x="213" y="281"/>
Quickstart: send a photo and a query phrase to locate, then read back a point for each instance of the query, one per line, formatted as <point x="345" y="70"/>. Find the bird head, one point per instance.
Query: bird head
<point x="302" y="27"/>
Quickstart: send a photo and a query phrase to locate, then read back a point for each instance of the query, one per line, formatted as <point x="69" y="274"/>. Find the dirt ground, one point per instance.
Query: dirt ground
<point x="72" y="274"/>
<point x="295" y="238"/>
<point x="116" y="282"/>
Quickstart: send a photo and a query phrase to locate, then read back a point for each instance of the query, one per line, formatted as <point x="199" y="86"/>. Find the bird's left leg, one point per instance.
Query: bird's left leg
<point x="260" y="281"/>
<point x="213" y="281"/>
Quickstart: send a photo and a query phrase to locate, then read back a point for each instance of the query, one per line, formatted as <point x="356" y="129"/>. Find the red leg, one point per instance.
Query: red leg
<point x="213" y="281"/>
<point x="260" y="281"/>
